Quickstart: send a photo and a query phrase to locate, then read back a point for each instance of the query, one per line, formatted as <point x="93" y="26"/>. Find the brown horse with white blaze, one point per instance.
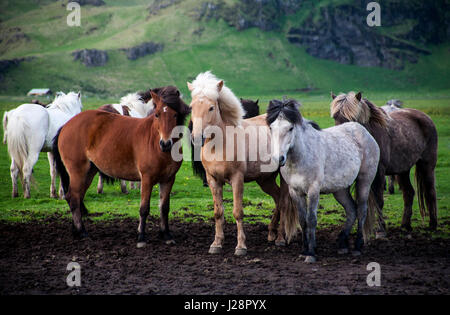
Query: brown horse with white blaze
<point x="134" y="149"/>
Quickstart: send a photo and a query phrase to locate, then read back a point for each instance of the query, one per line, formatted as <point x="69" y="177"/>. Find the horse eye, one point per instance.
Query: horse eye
<point x="175" y="115"/>
<point x="211" y="108"/>
<point x="157" y="115"/>
<point x="292" y="128"/>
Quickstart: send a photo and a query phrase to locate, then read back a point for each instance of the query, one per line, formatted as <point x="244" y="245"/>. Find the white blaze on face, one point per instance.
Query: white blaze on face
<point x="165" y="109"/>
<point x="281" y="138"/>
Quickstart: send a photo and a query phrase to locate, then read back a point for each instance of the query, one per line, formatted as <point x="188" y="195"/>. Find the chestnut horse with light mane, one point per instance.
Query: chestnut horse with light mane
<point x="215" y="107"/>
<point x="134" y="149"/>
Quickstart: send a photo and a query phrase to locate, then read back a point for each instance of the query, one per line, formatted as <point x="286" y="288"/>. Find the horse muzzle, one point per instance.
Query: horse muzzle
<point x="165" y="146"/>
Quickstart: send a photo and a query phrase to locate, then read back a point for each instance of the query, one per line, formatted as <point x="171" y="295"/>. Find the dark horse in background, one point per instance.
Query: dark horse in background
<point x="134" y="149"/>
<point x="251" y="109"/>
<point x="406" y="137"/>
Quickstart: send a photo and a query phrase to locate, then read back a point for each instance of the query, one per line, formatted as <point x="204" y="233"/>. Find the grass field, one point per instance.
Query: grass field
<point x="191" y="201"/>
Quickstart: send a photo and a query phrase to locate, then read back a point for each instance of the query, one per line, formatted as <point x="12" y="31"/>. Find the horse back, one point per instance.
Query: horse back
<point x="413" y="137"/>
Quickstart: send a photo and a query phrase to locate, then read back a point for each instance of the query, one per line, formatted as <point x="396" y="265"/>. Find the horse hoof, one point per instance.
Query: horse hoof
<point x="310" y="259"/>
<point x="356" y="253"/>
<point x="342" y="251"/>
<point x="240" y="252"/>
<point x="170" y="242"/>
<point x="215" y="249"/>
<point x="280" y="243"/>
<point x="380" y="236"/>
<point x="141" y="244"/>
<point x="271" y="237"/>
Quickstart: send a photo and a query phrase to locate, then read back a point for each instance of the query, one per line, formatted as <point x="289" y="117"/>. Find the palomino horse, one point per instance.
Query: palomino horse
<point x="251" y="109"/>
<point x="125" y="148"/>
<point x="136" y="105"/>
<point x="29" y="130"/>
<point x="215" y="107"/>
<point x="406" y="137"/>
<point x="323" y="161"/>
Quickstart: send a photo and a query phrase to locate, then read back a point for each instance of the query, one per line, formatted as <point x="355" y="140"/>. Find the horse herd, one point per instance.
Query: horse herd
<point x="135" y="141"/>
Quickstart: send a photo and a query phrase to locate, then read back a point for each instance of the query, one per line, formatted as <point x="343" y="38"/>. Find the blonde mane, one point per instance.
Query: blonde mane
<point x="206" y="85"/>
<point x="362" y="111"/>
<point x="135" y="102"/>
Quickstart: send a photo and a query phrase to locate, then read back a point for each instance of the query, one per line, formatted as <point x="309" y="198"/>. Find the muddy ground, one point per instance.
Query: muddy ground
<point x="34" y="257"/>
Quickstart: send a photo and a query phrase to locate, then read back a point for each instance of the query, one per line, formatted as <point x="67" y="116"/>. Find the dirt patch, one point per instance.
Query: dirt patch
<point x="34" y="257"/>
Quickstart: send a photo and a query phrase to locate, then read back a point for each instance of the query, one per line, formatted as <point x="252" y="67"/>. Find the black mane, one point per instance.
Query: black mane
<point x="288" y="108"/>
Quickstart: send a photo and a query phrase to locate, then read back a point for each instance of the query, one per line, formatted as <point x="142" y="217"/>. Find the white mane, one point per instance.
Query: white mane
<point x="69" y="103"/>
<point x="205" y="85"/>
<point x="134" y="102"/>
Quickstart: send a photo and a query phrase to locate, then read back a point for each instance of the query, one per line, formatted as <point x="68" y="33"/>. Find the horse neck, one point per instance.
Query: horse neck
<point x="306" y="141"/>
<point x="150" y="130"/>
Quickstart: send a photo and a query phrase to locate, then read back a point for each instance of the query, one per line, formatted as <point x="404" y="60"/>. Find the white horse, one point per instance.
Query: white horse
<point x="323" y="161"/>
<point x="138" y="105"/>
<point x="29" y="129"/>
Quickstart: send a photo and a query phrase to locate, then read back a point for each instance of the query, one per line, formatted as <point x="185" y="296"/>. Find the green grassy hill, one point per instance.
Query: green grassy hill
<point x="252" y="61"/>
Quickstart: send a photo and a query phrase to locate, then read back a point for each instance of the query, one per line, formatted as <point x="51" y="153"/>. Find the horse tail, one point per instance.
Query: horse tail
<point x="426" y="192"/>
<point x="16" y="133"/>
<point x="289" y="211"/>
<point x="372" y="209"/>
<point x="5" y="125"/>
<point x="60" y="168"/>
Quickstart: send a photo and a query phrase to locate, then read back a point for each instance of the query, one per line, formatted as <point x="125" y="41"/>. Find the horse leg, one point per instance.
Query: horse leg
<point x="378" y="191"/>
<point x="80" y="180"/>
<point x="100" y="184"/>
<point x="408" y="199"/>
<point x="362" y="197"/>
<point x="14" y="174"/>
<point x="302" y="206"/>
<point x="61" y="190"/>
<point x="27" y="172"/>
<point x="52" y="163"/>
<point x="164" y="208"/>
<point x="311" y="223"/>
<point x="270" y="187"/>
<point x="146" y="192"/>
<point x="123" y="186"/>
<point x="237" y="183"/>
<point x="391" y="181"/>
<point x="217" y="193"/>
<point x="345" y="199"/>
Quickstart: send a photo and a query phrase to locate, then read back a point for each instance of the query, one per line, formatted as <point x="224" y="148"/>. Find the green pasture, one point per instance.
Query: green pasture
<point x="190" y="201"/>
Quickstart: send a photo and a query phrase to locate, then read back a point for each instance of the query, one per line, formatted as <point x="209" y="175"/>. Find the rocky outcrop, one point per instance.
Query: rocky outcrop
<point x="157" y="5"/>
<point x="142" y="50"/>
<point x="91" y="57"/>
<point x="95" y="3"/>
<point x="339" y="31"/>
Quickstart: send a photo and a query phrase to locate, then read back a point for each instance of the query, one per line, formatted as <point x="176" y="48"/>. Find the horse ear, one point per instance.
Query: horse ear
<point x="257" y="101"/>
<point x="190" y="86"/>
<point x="155" y="97"/>
<point x="358" y="96"/>
<point x="220" y="85"/>
<point x="333" y="96"/>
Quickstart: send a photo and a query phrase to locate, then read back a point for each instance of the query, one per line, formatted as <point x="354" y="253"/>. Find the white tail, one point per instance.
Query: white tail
<point x="17" y="142"/>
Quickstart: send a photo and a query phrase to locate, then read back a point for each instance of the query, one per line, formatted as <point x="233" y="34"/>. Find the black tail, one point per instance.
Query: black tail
<point x="197" y="165"/>
<point x="65" y="179"/>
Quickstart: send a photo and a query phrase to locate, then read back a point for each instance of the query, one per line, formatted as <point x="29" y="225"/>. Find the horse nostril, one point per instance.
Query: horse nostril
<point x="282" y="160"/>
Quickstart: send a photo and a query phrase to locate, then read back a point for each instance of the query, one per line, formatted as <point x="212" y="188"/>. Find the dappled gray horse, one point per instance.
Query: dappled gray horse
<point x="324" y="161"/>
